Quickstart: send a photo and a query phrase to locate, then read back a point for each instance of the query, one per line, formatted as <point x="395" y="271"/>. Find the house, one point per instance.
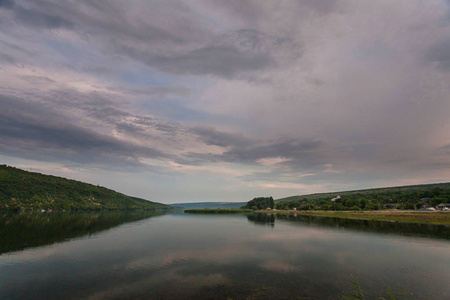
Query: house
<point x="427" y="206"/>
<point x="443" y="206"/>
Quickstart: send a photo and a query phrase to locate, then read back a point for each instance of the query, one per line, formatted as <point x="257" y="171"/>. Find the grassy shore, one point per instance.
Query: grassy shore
<point x="404" y="216"/>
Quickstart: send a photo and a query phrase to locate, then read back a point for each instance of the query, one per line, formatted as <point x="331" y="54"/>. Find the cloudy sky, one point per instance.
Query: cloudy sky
<point x="199" y="100"/>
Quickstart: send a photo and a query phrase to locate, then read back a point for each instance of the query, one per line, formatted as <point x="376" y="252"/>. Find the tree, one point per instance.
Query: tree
<point x="260" y="203"/>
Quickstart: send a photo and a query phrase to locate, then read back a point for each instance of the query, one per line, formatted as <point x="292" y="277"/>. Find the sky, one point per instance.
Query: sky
<point x="203" y="100"/>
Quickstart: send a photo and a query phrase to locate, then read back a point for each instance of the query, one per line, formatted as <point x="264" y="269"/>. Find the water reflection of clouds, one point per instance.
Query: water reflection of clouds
<point x="150" y="285"/>
<point x="214" y="254"/>
<point x="186" y="260"/>
<point x="300" y="235"/>
<point x="170" y="280"/>
<point x="280" y="267"/>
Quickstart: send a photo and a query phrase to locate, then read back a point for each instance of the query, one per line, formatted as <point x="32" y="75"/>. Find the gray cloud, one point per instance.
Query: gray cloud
<point x="7" y="58"/>
<point x="8" y="4"/>
<point x="299" y="154"/>
<point x="160" y="92"/>
<point x="211" y="136"/>
<point x="33" y="130"/>
<point x="221" y="61"/>
<point x="439" y="53"/>
<point x="225" y="56"/>
<point x="289" y="149"/>
<point x="183" y="48"/>
<point x="325" y="6"/>
<point x="35" y="17"/>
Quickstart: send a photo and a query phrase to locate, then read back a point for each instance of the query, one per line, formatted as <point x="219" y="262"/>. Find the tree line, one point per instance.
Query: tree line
<point x="260" y="203"/>
<point x="404" y="198"/>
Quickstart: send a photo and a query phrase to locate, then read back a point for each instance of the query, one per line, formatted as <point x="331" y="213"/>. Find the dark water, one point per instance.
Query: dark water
<point x="185" y="256"/>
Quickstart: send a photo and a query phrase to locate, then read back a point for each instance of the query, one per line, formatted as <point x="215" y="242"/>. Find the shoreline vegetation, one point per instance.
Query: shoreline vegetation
<point x="401" y="216"/>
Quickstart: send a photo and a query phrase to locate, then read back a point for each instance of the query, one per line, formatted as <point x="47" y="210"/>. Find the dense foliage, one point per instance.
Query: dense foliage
<point x="260" y="203"/>
<point x="23" y="190"/>
<point x="406" y="197"/>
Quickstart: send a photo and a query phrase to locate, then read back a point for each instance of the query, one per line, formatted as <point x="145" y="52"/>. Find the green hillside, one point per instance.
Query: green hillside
<point x="405" y="197"/>
<point x="23" y="190"/>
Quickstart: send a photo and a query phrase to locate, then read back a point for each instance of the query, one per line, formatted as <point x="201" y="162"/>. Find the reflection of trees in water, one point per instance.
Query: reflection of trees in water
<point x="408" y="229"/>
<point x="24" y="230"/>
<point x="262" y="219"/>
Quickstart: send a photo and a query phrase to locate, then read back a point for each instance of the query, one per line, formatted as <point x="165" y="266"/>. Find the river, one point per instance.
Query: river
<point x="185" y="256"/>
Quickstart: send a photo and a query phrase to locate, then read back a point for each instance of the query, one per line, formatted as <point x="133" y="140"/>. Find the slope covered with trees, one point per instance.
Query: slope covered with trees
<point x="23" y="190"/>
<point x="260" y="203"/>
<point x="404" y="197"/>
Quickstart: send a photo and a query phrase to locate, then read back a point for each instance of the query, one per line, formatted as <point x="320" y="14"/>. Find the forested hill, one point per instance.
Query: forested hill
<point x="406" y="197"/>
<point x="23" y="190"/>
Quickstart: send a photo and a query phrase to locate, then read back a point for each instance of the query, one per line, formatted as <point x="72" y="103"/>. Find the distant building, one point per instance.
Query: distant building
<point x="426" y="206"/>
<point x="443" y="206"/>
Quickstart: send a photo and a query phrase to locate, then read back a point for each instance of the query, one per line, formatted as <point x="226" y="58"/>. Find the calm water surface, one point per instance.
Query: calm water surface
<point x="184" y="256"/>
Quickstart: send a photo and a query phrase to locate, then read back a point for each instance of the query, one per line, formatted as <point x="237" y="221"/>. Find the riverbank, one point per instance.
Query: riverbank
<point x="404" y="216"/>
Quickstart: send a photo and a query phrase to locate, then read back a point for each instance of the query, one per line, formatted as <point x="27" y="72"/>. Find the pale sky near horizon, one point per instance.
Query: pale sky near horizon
<point x="191" y="101"/>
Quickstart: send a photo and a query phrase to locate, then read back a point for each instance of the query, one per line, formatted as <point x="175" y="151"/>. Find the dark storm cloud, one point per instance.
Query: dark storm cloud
<point x="30" y="130"/>
<point x="439" y="53"/>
